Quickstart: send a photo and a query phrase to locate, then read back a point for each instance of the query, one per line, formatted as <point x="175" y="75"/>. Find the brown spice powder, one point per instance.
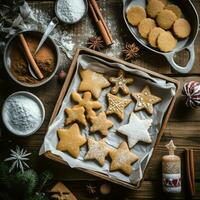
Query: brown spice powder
<point x="45" y="59"/>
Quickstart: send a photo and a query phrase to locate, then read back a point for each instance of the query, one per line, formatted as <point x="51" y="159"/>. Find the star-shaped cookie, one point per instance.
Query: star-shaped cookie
<point x="87" y="103"/>
<point x="101" y="123"/>
<point x="122" y="159"/>
<point x="98" y="150"/>
<point x="120" y="83"/>
<point x="93" y="82"/>
<point x="136" y="130"/>
<point x="117" y="105"/>
<point x="145" y="100"/>
<point x="75" y="114"/>
<point x="70" y="140"/>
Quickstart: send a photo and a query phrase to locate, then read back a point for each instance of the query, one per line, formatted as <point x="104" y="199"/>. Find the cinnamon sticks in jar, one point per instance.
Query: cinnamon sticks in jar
<point x="106" y="35"/>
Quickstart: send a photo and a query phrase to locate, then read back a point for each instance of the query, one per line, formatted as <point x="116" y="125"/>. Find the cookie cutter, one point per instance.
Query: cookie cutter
<point x="186" y="44"/>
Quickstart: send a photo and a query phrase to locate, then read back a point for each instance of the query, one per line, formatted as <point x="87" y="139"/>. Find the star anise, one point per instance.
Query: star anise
<point x="91" y="189"/>
<point x="95" y="43"/>
<point x="131" y="51"/>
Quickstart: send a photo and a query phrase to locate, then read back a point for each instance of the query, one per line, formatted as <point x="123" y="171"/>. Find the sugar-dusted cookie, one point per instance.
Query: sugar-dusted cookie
<point x="93" y="82"/>
<point x="154" y="7"/>
<point x="145" y="27"/>
<point x="153" y="36"/>
<point x="174" y="8"/>
<point x="166" y="41"/>
<point x="101" y="123"/>
<point x="136" y="130"/>
<point x="135" y="15"/>
<point x="117" y="105"/>
<point x="166" y="19"/>
<point x="165" y="2"/>
<point x="120" y="83"/>
<point x="75" y="114"/>
<point x="145" y="100"/>
<point x="87" y="102"/>
<point x="98" y="150"/>
<point x="70" y="140"/>
<point x="182" y="28"/>
<point x="122" y="158"/>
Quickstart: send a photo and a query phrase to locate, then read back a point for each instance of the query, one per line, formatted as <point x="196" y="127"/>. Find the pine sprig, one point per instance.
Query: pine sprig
<point x="44" y="179"/>
<point x="4" y="175"/>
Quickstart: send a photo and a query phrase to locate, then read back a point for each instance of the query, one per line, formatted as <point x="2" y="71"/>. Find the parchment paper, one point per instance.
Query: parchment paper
<point x="159" y="87"/>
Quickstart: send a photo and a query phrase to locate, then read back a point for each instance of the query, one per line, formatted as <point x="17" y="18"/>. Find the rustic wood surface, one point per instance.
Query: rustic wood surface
<point x="183" y="126"/>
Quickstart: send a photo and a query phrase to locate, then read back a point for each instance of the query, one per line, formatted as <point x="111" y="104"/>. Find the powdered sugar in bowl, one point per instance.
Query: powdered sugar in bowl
<point x="71" y="11"/>
<point x="23" y="113"/>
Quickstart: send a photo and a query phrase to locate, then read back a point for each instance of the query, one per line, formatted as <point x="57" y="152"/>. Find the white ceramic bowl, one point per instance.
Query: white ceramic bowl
<point x="6" y="117"/>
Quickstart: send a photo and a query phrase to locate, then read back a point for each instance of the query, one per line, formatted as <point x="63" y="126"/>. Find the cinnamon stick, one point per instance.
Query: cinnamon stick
<point x="30" y="57"/>
<point x="188" y="169"/>
<point x="100" y="22"/>
<point x="192" y="170"/>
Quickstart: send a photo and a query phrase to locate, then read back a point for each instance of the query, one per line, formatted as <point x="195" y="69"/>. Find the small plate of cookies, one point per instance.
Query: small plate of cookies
<point x="164" y="27"/>
<point x="110" y="118"/>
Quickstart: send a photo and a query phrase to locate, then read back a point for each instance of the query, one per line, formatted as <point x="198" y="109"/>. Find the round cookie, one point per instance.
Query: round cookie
<point x="145" y="27"/>
<point x="154" y="7"/>
<point x="153" y="36"/>
<point x="166" y="19"/>
<point x="165" y="2"/>
<point x="182" y="28"/>
<point x="166" y="41"/>
<point x="175" y="9"/>
<point x="135" y="15"/>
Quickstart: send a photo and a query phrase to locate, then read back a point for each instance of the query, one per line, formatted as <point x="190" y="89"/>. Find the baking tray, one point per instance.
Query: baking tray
<point x="66" y="85"/>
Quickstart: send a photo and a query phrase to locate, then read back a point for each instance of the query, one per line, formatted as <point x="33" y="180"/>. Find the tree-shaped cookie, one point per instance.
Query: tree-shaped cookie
<point x="122" y="158"/>
<point x="145" y="100"/>
<point x="101" y="123"/>
<point x="70" y="140"/>
<point x="87" y="103"/>
<point x="75" y="114"/>
<point x="117" y="105"/>
<point x="98" y="150"/>
<point x="120" y="83"/>
<point x="93" y="82"/>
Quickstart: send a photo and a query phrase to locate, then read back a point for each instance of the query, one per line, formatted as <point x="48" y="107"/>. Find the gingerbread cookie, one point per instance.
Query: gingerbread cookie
<point x="166" y="19"/>
<point x="87" y="103"/>
<point x="120" y="83"/>
<point x="182" y="28"/>
<point x="136" y="130"/>
<point x="122" y="159"/>
<point x="75" y="114"/>
<point x="154" y="7"/>
<point x="145" y="100"/>
<point x="175" y="9"/>
<point x="165" y="2"/>
<point x="101" y="123"/>
<point x="117" y="105"/>
<point x="145" y="27"/>
<point x="135" y="15"/>
<point x="61" y="192"/>
<point x="70" y="140"/>
<point x="93" y="82"/>
<point x="98" y="150"/>
<point x="153" y="36"/>
<point x="166" y="41"/>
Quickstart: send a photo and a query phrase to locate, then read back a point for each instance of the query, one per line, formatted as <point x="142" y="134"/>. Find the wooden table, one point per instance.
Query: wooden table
<point x="183" y="126"/>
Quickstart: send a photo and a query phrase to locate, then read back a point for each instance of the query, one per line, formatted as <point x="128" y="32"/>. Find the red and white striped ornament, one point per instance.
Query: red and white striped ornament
<point x="192" y="92"/>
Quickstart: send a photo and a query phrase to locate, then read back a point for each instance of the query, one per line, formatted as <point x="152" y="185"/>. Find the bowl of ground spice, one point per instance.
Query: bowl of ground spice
<point x="15" y="61"/>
